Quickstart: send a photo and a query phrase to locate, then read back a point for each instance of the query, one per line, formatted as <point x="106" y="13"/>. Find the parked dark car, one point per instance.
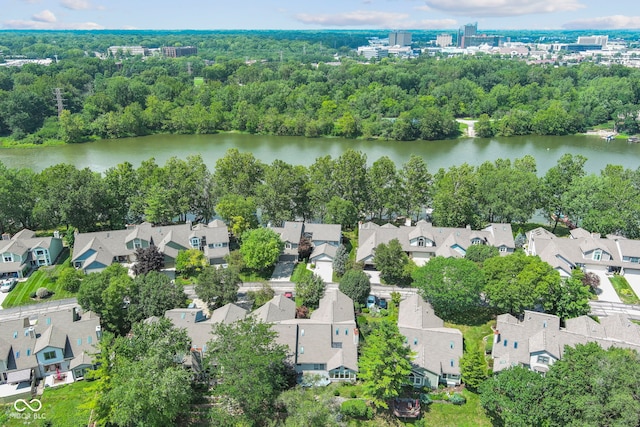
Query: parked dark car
<point x="382" y="303"/>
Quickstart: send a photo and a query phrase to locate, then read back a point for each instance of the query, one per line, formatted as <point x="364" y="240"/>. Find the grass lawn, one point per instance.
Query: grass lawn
<point x="39" y="279"/>
<point x="256" y="276"/>
<point x="65" y="405"/>
<point x="623" y="290"/>
<point x="470" y="414"/>
<point x="300" y="272"/>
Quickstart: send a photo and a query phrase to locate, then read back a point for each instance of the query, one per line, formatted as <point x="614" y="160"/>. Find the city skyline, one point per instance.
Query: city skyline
<point x="330" y="14"/>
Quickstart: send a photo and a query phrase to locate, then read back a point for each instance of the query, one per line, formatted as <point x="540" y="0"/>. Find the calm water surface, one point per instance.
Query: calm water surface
<point x="101" y="155"/>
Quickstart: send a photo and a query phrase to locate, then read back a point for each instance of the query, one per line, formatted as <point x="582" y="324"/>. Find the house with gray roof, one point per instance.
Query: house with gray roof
<point x="437" y="350"/>
<point x="325" y="239"/>
<point x="424" y="241"/>
<point x="24" y="251"/>
<point x="537" y="340"/>
<point x="60" y="343"/>
<point x="93" y="252"/>
<point x="325" y="345"/>
<point x="586" y="250"/>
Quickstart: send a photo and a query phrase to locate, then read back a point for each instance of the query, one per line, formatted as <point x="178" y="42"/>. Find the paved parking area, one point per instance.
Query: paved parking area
<point x="607" y="293"/>
<point x="324" y="269"/>
<point x="282" y="271"/>
<point x="634" y="282"/>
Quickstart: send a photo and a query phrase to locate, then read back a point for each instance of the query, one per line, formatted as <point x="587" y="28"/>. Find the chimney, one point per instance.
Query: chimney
<point x="32" y="332"/>
<point x="407" y="222"/>
<point x="75" y="316"/>
<point x="56" y="234"/>
<point x="99" y="332"/>
<point x="6" y="236"/>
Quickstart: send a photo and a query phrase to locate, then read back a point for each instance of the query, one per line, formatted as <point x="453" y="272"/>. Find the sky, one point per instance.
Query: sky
<point x="319" y="14"/>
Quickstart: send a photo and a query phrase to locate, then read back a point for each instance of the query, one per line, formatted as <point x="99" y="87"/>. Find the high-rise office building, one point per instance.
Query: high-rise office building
<point x="400" y="38"/>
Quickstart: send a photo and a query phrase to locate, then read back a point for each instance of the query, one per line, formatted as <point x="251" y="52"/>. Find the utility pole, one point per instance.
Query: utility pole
<point x="59" y="100"/>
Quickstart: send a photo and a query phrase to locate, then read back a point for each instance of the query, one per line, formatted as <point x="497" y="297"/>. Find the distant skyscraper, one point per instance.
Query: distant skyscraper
<point x="444" y="40"/>
<point x="400" y="38"/>
<point x="469" y="30"/>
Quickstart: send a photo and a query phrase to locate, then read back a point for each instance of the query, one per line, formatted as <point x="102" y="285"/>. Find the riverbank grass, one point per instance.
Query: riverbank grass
<point x="623" y="290"/>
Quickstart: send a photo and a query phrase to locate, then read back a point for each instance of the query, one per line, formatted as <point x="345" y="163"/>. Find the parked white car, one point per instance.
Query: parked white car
<point x="8" y="284"/>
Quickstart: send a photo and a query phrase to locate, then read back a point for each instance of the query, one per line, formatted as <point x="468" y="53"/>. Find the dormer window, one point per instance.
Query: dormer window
<point x="597" y="255"/>
<point x="195" y="242"/>
<point x="137" y="243"/>
<point x="422" y="241"/>
<point x="476" y="242"/>
<point x="8" y="257"/>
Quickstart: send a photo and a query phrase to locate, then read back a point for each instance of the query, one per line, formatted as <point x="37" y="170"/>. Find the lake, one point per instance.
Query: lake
<point x="101" y="155"/>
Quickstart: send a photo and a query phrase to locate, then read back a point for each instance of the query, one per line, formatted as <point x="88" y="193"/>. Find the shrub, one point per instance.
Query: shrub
<point x="458" y="399"/>
<point x="353" y="394"/>
<point x="32" y="295"/>
<point x="336" y="392"/>
<point x="425" y="399"/>
<point x="356" y="408"/>
<point x="42" y="293"/>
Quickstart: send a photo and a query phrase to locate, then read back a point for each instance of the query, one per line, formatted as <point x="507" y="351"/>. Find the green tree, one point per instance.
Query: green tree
<point x="518" y="282"/>
<point x="341" y="260"/>
<point x="473" y="367"/>
<point x="156" y="294"/>
<point x="70" y="279"/>
<point x="416" y="186"/>
<point x="570" y="298"/>
<point x="190" y="262"/>
<point x="148" y="259"/>
<point x="261" y="248"/>
<point x="239" y="212"/>
<point x="557" y="183"/>
<point x="144" y="360"/>
<point x="341" y="211"/>
<point x="304" y="408"/>
<point x="356" y="285"/>
<point x="484" y="127"/>
<point x="261" y="296"/>
<point x="590" y="386"/>
<point x="393" y="263"/>
<point x="454" y="203"/>
<point x="283" y="195"/>
<point x="513" y="397"/>
<point x="384" y="186"/>
<point x="480" y="253"/>
<point x="237" y="173"/>
<point x="385" y="364"/>
<point x="218" y="286"/>
<point x="250" y="367"/>
<point x="451" y="285"/>
<point x="310" y="289"/>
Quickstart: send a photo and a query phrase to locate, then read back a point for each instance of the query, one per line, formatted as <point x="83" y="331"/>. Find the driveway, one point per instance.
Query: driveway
<point x="324" y="269"/>
<point x="282" y="271"/>
<point x="3" y="295"/>
<point x="607" y="293"/>
<point x="634" y="282"/>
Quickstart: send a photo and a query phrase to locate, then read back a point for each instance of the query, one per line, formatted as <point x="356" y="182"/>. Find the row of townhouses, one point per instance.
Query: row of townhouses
<point x="585" y="250"/>
<point x="24" y="251"/>
<point x="55" y="345"/>
<point x="536" y="340"/>
<point x="326" y="344"/>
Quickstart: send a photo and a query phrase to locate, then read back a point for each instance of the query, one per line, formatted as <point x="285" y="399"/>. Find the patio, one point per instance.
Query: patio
<point x="58" y="379"/>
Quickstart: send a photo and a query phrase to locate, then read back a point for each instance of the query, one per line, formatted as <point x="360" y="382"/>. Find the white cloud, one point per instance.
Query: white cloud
<point x="76" y="4"/>
<point x="18" y="24"/>
<point x="604" y="22"/>
<point x="45" y="16"/>
<point x="503" y="7"/>
<point x="374" y="19"/>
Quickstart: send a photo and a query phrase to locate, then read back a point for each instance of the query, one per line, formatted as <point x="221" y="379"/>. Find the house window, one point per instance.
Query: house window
<point x="195" y="242"/>
<point x="543" y="359"/>
<point x="415" y="341"/>
<point x="301" y="332"/>
<point x="48" y="320"/>
<point x="544" y="324"/>
<point x="288" y="245"/>
<point x="597" y="255"/>
<point x="28" y="352"/>
<point x="452" y="362"/>
<point x="503" y="249"/>
<point x="319" y="366"/>
<point x="8" y="258"/>
<point x="421" y="241"/>
<point x="337" y="331"/>
<point x="79" y="341"/>
<point x="26" y="332"/>
<point x="505" y="343"/>
<point x="476" y="242"/>
<point x="633" y="259"/>
<point x="451" y="344"/>
<point x="301" y="350"/>
<point x="137" y="243"/>
<point x="17" y="355"/>
<point x="49" y="355"/>
<point x="89" y="340"/>
<point x="15" y="334"/>
<point x="515" y="344"/>
<point x="346" y="332"/>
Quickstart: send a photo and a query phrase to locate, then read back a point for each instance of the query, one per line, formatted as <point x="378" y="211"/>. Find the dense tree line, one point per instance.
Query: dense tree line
<point x="339" y="190"/>
<point x="392" y="99"/>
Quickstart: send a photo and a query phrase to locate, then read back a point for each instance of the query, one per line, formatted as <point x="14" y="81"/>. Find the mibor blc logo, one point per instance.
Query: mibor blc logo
<point x="21" y="405"/>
